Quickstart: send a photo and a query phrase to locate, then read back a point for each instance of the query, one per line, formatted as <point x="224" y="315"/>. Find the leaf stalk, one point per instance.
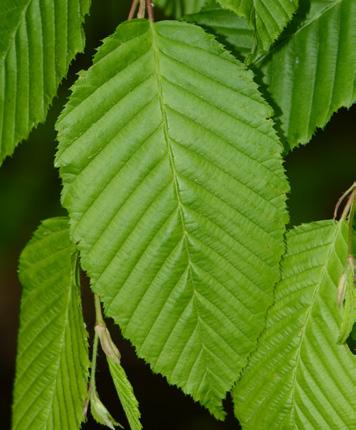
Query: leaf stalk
<point x="133" y="8"/>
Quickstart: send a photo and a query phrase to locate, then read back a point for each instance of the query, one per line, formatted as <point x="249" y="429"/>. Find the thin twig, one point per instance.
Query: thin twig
<point x="348" y="206"/>
<point x="98" y="313"/>
<point x="93" y="362"/>
<point x="141" y="9"/>
<point x="92" y="385"/>
<point x="351" y="226"/>
<point x="149" y="7"/>
<point x="99" y="319"/>
<point x="133" y="8"/>
<point x="342" y="198"/>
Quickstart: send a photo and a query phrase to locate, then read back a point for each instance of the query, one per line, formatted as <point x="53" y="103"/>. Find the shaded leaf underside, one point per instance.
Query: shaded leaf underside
<point x="300" y="378"/>
<point x="175" y="187"/>
<point x="52" y="358"/>
<point x="38" y="40"/>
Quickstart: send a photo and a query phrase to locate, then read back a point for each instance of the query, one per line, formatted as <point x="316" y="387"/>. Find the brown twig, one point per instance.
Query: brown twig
<point x="141" y="9"/>
<point x="149" y="7"/>
<point x="133" y="8"/>
<point x="347" y="193"/>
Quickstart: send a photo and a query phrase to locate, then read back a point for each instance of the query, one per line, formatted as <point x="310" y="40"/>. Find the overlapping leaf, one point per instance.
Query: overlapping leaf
<point x="312" y="73"/>
<point x="300" y="377"/>
<point x="52" y="358"/>
<point x="38" y="40"/>
<point x="232" y="29"/>
<point x="178" y="8"/>
<point x="175" y="187"/>
<point x="267" y="17"/>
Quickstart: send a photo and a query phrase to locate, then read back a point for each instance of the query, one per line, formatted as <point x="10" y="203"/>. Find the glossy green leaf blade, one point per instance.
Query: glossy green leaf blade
<point x="267" y="17"/>
<point x="38" y="40"/>
<point x="178" y="8"/>
<point x="312" y="73"/>
<point x="126" y="394"/>
<point x="52" y="357"/>
<point x="174" y="183"/>
<point x="299" y="377"/>
<point x="231" y="29"/>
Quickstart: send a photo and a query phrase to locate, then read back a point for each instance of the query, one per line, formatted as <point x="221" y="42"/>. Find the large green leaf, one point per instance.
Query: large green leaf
<point x="312" y="73"/>
<point x="299" y="377"/>
<point x="52" y="357"/>
<point x="267" y="17"/>
<point x="231" y="29"/>
<point x="175" y="187"/>
<point x="38" y="40"/>
<point x="178" y="8"/>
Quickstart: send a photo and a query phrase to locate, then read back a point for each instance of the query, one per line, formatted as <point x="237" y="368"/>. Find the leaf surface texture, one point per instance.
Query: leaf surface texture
<point x="268" y="18"/>
<point x="126" y="394"/>
<point x="312" y="73"/>
<point x="52" y="359"/>
<point x="38" y="40"/>
<point x="176" y="191"/>
<point x="300" y="377"/>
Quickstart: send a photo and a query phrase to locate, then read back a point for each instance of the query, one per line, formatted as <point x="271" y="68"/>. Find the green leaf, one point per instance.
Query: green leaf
<point x="38" y="40"/>
<point x="52" y="357"/>
<point x="299" y="377"/>
<point x="312" y="73"/>
<point x="174" y="183"/>
<point x="267" y="17"/>
<point x="125" y="392"/>
<point x="122" y="384"/>
<point x="232" y="29"/>
<point x="178" y="8"/>
<point x="99" y="411"/>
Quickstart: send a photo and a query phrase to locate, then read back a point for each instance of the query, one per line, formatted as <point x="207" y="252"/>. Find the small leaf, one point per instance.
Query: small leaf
<point x="299" y="377"/>
<point x="52" y="358"/>
<point x="125" y="392"/>
<point x="99" y="411"/>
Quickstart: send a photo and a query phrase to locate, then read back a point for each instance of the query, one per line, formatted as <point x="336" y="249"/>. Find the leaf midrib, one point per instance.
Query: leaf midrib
<point x="167" y="139"/>
<point x="180" y="205"/>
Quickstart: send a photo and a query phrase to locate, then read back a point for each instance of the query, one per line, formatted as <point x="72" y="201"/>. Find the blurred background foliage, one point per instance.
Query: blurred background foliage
<point x="29" y="193"/>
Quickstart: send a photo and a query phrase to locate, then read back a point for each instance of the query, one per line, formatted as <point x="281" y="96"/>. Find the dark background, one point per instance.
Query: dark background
<point x="29" y="193"/>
